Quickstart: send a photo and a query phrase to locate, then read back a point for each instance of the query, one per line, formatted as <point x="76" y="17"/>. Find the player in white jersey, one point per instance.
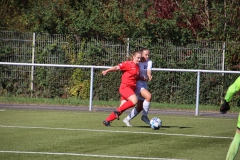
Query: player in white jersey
<point x="144" y="96"/>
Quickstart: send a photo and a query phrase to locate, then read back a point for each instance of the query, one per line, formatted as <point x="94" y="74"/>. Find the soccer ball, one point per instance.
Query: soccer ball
<point x="155" y="123"/>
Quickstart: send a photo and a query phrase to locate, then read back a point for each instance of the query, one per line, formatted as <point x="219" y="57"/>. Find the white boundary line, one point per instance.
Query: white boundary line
<point x="86" y="155"/>
<point x="112" y="131"/>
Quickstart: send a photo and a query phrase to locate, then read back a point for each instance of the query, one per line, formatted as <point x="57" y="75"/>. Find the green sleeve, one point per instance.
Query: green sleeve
<point x="232" y="89"/>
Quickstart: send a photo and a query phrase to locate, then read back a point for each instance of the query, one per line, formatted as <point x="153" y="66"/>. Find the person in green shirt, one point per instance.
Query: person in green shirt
<point x="232" y="89"/>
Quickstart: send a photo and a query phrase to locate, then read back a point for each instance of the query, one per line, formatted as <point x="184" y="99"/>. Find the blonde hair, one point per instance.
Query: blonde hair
<point x="131" y="55"/>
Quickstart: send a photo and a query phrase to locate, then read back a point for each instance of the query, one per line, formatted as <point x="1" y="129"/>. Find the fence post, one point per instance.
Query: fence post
<point x="91" y="89"/>
<point x="223" y="57"/>
<point x="128" y="47"/>
<point x="223" y="68"/>
<point x="33" y="55"/>
<point x="197" y="93"/>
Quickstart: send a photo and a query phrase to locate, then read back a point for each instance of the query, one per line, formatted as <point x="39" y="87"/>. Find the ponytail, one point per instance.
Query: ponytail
<point x="131" y="55"/>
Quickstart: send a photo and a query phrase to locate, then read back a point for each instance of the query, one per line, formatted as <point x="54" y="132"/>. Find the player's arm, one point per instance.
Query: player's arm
<point x="235" y="87"/>
<point x="149" y="73"/>
<point x="149" y="70"/>
<point x="112" y="69"/>
<point x="232" y="89"/>
<point x="142" y="78"/>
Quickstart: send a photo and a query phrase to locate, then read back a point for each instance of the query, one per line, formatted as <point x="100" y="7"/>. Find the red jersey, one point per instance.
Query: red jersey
<point x="130" y="73"/>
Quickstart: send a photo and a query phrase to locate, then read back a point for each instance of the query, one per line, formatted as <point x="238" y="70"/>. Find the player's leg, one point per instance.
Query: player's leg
<point x="112" y="116"/>
<point x="122" y="101"/>
<point x="134" y="112"/>
<point x="146" y="105"/>
<point x="233" y="149"/>
<point x="131" y="99"/>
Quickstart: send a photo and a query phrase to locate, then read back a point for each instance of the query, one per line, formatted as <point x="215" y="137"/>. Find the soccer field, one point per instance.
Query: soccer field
<point x="57" y="134"/>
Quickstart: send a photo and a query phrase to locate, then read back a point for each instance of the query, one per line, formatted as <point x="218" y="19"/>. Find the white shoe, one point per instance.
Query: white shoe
<point x="127" y="122"/>
<point x="145" y="119"/>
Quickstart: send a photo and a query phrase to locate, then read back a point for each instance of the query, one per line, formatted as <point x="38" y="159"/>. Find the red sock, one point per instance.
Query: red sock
<point x="111" y="117"/>
<point x="125" y="106"/>
<point x="121" y="109"/>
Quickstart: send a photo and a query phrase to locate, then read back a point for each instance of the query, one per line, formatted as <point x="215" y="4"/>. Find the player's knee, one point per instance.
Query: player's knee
<point x="134" y="100"/>
<point x="149" y="97"/>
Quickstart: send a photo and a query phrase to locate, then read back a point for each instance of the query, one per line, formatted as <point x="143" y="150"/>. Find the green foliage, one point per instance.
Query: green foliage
<point x="85" y="90"/>
<point x="12" y="80"/>
<point x="79" y="84"/>
<point x="233" y="56"/>
<point x="47" y="82"/>
<point x="80" y="79"/>
<point x="180" y="21"/>
<point x="48" y="16"/>
<point x="84" y="16"/>
<point x="106" y="87"/>
<point x="12" y="14"/>
<point x="95" y="52"/>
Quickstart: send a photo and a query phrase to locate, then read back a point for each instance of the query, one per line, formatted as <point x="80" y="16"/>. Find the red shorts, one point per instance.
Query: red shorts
<point x="126" y="91"/>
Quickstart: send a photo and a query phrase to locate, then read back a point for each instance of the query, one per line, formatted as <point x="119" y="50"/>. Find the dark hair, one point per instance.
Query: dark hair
<point x="144" y="49"/>
<point x="131" y="55"/>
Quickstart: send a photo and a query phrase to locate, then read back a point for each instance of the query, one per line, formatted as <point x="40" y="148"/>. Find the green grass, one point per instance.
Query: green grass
<point x="77" y="102"/>
<point x="82" y="133"/>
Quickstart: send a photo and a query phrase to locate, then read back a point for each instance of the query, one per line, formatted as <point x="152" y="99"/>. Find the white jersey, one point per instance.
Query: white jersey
<point x="143" y="67"/>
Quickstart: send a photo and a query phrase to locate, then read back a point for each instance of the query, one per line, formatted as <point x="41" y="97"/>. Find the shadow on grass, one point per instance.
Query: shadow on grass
<point x="180" y="127"/>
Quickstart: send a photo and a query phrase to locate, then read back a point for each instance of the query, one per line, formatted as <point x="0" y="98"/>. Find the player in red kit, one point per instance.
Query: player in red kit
<point x="130" y="74"/>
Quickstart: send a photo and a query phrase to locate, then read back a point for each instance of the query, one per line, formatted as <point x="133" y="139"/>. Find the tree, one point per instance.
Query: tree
<point x="49" y="16"/>
<point x="11" y="14"/>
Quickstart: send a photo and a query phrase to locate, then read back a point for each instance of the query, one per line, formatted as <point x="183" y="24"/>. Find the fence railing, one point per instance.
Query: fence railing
<point x="104" y="67"/>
